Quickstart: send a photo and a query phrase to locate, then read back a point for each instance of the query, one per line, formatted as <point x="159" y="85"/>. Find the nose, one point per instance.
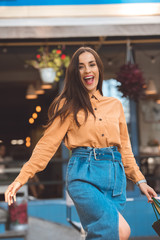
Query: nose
<point x="87" y="69"/>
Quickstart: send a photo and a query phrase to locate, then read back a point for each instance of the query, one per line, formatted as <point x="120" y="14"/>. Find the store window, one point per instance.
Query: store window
<point x="110" y="89"/>
<point x="149" y="121"/>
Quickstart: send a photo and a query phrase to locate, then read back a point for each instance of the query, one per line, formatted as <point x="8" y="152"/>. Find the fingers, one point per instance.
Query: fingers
<point x="10" y="194"/>
<point x="154" y="193"/>
<point x="150" y="193"/>
<point x="148" y="196"/>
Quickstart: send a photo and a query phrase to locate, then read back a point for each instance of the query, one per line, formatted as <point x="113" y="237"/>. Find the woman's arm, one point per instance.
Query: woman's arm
<point x="131" y="168"/>
<point x="42" y="153"/>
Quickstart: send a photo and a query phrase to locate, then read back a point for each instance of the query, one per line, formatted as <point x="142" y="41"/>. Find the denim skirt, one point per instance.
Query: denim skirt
<point x="96" y="182"/>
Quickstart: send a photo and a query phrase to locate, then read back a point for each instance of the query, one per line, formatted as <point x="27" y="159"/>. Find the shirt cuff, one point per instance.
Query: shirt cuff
<point x="141" y="181"/>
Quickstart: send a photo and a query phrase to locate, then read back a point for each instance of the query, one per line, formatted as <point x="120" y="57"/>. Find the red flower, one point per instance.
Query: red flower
<point x="38" y="56"/>
<point x="63" y="56"/>
<point x="18" y="213"/>
<point x="59" y="51"/>
<point x="131" y="80"/>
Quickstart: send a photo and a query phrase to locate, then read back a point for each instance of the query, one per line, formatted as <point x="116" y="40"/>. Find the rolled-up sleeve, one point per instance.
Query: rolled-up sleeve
<point x="131" y="168"/>
<point x="45" y="149"/>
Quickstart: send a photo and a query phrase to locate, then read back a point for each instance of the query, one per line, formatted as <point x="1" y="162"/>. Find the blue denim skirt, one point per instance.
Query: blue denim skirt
<point x="96" y="183"/>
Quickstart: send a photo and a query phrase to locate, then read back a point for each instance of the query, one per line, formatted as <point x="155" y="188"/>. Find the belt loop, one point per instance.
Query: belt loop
<point x="89" y="158"/>
<point x="111" y="150"/>
<point x="94" y="153"/>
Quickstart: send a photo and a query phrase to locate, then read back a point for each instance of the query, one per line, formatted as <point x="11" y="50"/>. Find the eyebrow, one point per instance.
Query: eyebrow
<point x="89" y="62"/>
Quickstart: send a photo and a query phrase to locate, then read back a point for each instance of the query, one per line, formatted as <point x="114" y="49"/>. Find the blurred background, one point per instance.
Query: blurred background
<point x="42" y="35"/>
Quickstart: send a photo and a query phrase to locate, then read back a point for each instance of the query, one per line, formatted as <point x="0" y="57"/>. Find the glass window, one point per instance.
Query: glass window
<point x="110" y="89"/>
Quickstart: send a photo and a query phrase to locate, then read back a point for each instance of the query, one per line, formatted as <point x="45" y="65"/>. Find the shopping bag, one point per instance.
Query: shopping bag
<point x="156" y="208"/>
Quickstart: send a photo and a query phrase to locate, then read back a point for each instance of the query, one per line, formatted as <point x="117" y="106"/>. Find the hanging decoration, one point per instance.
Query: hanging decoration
<point x="50" y="63"/>
<point x="131" y="78"/>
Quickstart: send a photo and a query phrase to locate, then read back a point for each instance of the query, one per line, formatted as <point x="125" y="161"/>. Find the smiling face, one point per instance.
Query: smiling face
<point x="89" y="71"/>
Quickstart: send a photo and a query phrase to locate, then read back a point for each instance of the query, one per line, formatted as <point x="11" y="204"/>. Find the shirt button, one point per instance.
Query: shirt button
<point x="102" y="135"/>
<point x="100" y="119"/>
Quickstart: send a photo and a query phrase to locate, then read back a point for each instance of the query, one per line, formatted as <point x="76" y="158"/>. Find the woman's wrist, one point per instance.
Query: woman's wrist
<point x="141" y="181"/>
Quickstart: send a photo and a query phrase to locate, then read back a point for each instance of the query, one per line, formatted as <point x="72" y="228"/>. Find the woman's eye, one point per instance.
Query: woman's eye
<point x="80" y="67"/>
<point x="93" y="64"/>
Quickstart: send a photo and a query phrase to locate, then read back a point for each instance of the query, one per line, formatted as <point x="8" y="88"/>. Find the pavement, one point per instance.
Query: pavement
<point x="45" y="230"/>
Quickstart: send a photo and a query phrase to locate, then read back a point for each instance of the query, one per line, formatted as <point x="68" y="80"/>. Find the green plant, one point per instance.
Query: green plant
<point x="55" y="59"/>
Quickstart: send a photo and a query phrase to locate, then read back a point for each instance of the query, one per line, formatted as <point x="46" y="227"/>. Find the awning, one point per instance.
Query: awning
<point x="79" y="27"/>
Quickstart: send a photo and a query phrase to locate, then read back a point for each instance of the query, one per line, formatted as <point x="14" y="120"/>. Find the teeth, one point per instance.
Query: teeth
<point x="88" y="77"/>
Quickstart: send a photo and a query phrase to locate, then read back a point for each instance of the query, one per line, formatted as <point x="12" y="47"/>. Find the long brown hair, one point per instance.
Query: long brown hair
<point x="74" y="94"/>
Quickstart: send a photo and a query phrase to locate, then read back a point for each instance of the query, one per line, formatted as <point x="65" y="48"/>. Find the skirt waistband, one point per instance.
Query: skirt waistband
<point x="99" y="153"/>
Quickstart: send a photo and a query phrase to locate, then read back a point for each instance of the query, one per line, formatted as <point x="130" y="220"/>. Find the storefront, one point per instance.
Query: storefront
<point x="107" y="27"/>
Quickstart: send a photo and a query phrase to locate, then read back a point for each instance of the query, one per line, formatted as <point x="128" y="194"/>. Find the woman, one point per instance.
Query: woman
<point x="94" y="127"/>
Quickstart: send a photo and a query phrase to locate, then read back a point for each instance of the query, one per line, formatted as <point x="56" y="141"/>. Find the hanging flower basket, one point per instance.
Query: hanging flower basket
<point x="55" y="61"/>
<point x="47" y="75"/>
<point x="132" y="81"/>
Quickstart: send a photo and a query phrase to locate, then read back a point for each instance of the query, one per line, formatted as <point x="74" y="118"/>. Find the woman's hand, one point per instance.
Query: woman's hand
<point x="148" y="191"/>
<point x="10" y="194"/>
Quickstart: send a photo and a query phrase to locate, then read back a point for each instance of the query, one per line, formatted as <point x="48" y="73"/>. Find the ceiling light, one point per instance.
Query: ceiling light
<point x="31" y="92"/>
<point x="151" y="88"/>
<point x="153" y="60"/>
<point x="34" y="115"/>
<point x="38" y="108"/>
<point x="31" y="120"/>
<point x="13" y="142"/>
<point x="46" y="86"/>
<point x="20" y="141"/>
<point x="28" y="139"/>
<point x="38" y="89"/>
<point x="110" y="62"/>
<point x="4" y="50"/>
<point x="28" y="144"/>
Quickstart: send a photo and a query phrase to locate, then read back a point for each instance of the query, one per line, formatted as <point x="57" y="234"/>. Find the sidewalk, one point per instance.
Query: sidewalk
<point x="40" y="229"/>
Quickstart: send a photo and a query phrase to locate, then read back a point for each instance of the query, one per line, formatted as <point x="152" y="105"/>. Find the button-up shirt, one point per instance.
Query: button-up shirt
<point x="108" y="129"/>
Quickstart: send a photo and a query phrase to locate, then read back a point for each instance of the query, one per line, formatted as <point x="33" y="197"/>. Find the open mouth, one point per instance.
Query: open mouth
<point x="89" y="80"/>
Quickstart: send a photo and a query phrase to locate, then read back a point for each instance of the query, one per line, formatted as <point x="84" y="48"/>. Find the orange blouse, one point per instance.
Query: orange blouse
<point x="108" y="129"/>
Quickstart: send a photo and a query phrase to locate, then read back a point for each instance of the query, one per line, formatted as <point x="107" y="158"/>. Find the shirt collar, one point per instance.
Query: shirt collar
<point x="96" y="95"/>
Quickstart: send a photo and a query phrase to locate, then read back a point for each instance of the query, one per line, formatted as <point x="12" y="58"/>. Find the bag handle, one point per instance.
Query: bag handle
<point x="156" y="205"/>
<point x="155" y="210"/>
<point x="156" y="201"/>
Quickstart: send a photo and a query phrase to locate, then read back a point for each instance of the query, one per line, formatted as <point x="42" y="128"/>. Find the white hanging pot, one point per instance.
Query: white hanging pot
<point x="47" y="75"/>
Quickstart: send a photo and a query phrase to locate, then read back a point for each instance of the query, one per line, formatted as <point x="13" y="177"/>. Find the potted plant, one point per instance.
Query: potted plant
<point x="51" y="64"/>
<point x="132" y="81"/>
